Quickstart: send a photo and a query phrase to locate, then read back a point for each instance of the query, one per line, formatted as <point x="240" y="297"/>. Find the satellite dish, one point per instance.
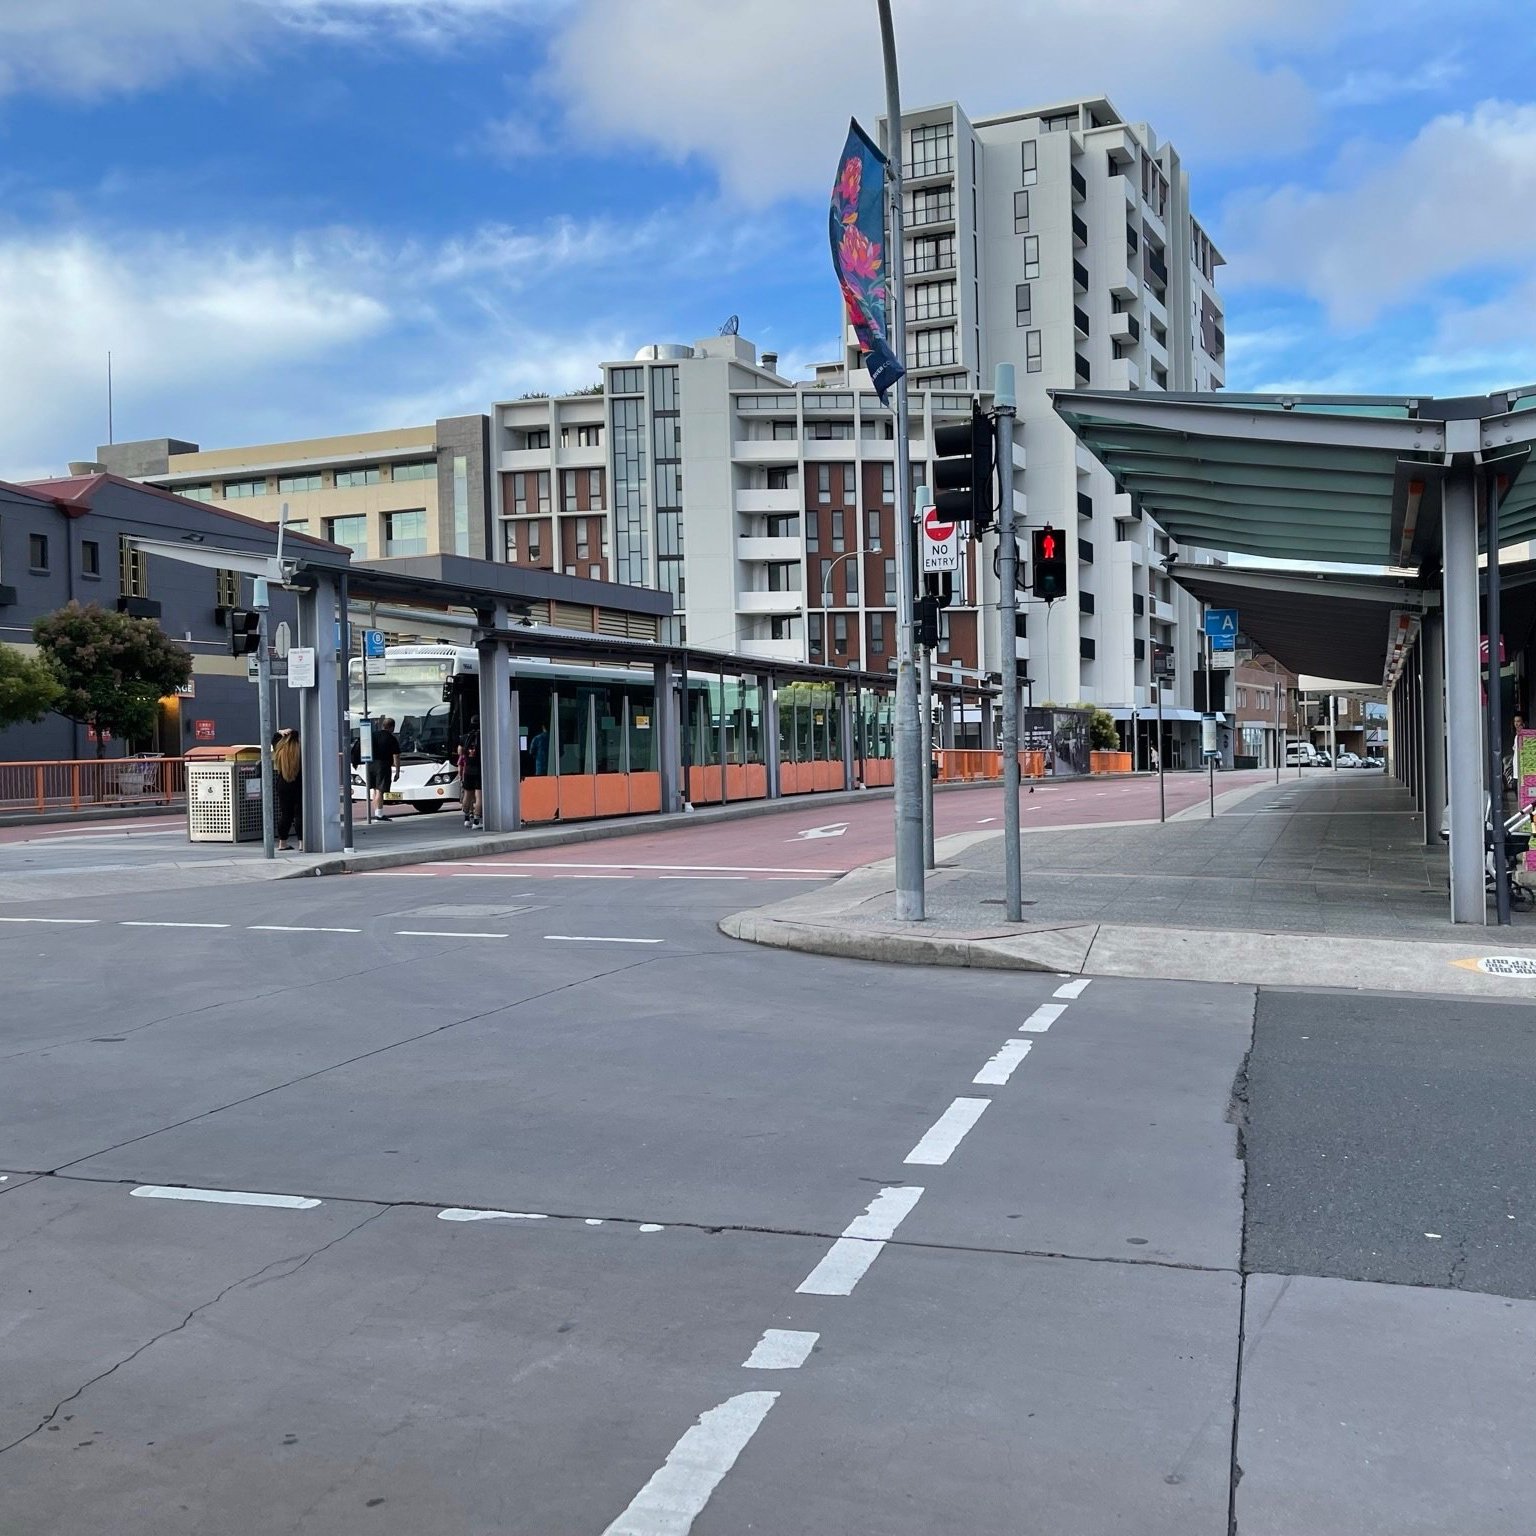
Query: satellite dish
<point x="732" y="326"/>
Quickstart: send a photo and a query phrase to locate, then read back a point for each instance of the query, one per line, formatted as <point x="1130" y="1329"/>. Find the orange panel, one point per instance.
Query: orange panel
<point x="704" y="785"/>
<point x="613" y="794"/>
<point x="644" y="792"/>
<point x="578" y="796"/>
<point x="538" y="799"/>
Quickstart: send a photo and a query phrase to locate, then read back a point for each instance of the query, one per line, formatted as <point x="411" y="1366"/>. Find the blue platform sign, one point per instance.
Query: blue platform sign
<point x="373" y="643"/>
<point x="1221" y="626"/>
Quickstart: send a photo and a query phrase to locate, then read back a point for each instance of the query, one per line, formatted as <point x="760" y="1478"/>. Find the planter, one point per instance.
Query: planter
<point x="1109" y="762"/>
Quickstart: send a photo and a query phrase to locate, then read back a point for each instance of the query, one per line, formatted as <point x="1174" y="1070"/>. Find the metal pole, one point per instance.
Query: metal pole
<point x="909" y="766"/>
<point x="1463" y="726"/>
<point x="1279" y="730"/>
<point x="343" y="704"/>
<point x="1162" y="796"/>
<point x="1005" y="402"/>
<point x="925" y="710"/>
<point x="1496" y="708"/>
<point x="1210" y="709"/>
<point x="1333" y="731"/>
<point x="264" y="717"/>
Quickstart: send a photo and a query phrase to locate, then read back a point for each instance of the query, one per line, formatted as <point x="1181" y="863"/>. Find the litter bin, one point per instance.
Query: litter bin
<point x="224" y="794"/>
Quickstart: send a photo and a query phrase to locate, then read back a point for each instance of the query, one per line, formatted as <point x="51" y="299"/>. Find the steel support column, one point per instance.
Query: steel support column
<point x="1463" y="712"/>
<point x="845" y="715"/>
<point x="500" y="760"/>
<point x="1432" y="727"/>
<point x="771" y="735"/>
<point x="327" y="776"/>
<point x="665" y="734"/>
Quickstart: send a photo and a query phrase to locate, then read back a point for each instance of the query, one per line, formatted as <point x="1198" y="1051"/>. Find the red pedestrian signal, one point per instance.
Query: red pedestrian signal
<point x="1049" y="564"/>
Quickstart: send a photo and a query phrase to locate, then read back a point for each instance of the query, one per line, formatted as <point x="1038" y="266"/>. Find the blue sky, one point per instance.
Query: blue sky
<point x="293" y="216"/>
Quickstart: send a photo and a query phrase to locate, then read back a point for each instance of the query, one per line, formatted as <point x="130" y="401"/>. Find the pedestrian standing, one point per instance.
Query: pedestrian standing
<point x="288" y="787"/>
<point x="385" y="764"/>
<point x="470" y="779"/>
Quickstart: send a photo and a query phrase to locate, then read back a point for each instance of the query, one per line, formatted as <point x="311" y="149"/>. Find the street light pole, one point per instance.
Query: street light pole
<point x="909" y="766"/>
<point x="1006" y="405"/>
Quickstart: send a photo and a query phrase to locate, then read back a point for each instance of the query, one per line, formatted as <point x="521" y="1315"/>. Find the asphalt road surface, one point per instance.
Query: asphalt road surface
<point x="520" y="1200"/>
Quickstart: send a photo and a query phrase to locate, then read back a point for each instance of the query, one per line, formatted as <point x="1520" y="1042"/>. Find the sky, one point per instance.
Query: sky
<point x="288" y="218"/>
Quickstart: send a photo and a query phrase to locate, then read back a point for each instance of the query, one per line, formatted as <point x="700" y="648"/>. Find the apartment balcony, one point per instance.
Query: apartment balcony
<point x="755" y="450"/>
<point x="835" y="449"/>
<point x="1084" y="504"/>
<point x="1131" y="550"/>
<point x="1079" y="230"/>
<point x="1125" y="283"/>
<point x="1163" y="611"/>
<point x="773" y="650"/>
<point x="777" y="549"/>
<point x="775" y="604"/>
<point x="1124" y="374"/>
<point x="1079" y="186"/>
<point x="532" y="458"/>
<point x="1080" y="277"/>
<point x="581" y="456"/>
<point x="1081" y="369"/>
<point x="769" y="501"/>
<point x="1157" y="267"/>
<point x="1080" y="322"/>
<point x="1124" y="326"/>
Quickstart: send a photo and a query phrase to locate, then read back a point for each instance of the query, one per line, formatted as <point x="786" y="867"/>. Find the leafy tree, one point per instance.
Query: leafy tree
<point x="113" y="669"/>
<point x="28" y="688"/>
<point x="1103" y="734"/>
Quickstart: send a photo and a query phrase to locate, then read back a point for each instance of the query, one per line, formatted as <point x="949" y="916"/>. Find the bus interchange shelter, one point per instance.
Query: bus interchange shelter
<point x="677" y="725"/>
<point x="1391" y="483"/>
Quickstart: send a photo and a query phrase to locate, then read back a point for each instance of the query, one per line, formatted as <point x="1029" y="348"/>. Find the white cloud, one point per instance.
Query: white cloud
<point x="1460" y="196"/>
<point x="762" y="91"/>
<point x="1371" y="87"/>
<point x="430" y="22"/>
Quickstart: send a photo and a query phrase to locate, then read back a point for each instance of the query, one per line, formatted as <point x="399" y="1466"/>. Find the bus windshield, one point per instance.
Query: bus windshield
<point x="411" y="694"/>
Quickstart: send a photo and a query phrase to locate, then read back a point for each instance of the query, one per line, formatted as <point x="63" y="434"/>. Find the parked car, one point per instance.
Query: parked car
<point x="1299" y="754"/>
<point x="1350" y="760"/>
<point x="1321" y="759"/>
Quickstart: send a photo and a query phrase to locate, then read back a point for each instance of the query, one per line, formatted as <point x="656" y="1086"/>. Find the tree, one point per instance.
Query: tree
<point x="1103" y="734"/>
<point x="113" y="669"/>
<point x="28" y="688"/>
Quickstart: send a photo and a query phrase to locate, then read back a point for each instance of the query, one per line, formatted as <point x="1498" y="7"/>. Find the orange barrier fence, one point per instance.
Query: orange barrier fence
<point x="1110" y="762"/>
<point x="88" y="783"/>
<point x="962" y="767"/>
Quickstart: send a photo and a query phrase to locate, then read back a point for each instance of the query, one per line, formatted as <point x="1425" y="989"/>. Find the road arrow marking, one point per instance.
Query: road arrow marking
<point x="834" y="829"/>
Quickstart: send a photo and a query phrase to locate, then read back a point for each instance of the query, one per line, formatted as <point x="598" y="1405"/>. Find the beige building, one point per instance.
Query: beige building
<point x="410" y="491"/>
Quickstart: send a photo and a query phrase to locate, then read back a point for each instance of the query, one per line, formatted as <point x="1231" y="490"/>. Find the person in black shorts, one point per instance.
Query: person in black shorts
<point x="469" y="779"/>
<point x="385" y="764"/>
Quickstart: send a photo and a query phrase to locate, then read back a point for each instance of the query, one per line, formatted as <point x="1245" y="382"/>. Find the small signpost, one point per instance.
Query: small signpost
<point x="301" y="666"/>
<point x="941" y="543"/>
<point x="374" y="663"/>
<point x="203" y="730"/>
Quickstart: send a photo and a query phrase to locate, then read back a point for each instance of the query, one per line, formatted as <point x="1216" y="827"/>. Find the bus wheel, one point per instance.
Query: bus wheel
<point x="426" y="807"/>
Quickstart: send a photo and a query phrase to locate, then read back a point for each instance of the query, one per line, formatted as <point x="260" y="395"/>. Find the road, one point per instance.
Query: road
<point x="531" y="1204"/>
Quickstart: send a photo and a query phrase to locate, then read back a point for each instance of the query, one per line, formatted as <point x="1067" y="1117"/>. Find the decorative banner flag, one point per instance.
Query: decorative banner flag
<point x="857" y="228"/>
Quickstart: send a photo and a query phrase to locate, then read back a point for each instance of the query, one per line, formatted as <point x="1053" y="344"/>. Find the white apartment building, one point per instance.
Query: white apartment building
<point x="1060" y="239"/>
<point x="766" y="507"/>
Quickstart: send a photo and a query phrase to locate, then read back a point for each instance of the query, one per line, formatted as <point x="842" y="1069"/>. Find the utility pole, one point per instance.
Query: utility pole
<point x="925" y="714"/>
<point x="259" y="602"/>
<point x="909" y="766"/>
<point x="1006" y="403"/>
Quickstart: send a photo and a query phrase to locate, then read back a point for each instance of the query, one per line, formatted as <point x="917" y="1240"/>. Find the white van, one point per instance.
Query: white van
<point x="1300" y="754"/>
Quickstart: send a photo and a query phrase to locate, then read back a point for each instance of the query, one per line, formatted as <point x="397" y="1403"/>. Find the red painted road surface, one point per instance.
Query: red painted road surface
<point x="806" y="841"/>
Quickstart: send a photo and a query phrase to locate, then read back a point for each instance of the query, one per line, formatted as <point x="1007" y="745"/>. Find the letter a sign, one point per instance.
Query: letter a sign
<point x="941" y="543"/>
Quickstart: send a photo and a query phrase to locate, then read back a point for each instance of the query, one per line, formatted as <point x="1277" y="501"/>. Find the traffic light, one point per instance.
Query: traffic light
<point x="244" y="631"/>
<point x="940" y="585"/>
<point x="1050" y="563"/>
<point x="928" y="622"/>
<point x="1162" y="663"/>
<point x="963" y="471"/>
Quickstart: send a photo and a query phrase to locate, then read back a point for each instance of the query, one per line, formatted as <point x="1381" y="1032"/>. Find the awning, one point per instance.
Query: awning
<point x="1172" y="714"/>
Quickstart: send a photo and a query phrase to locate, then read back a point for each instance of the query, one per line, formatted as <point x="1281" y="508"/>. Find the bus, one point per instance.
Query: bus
<point x="588" y="731"/>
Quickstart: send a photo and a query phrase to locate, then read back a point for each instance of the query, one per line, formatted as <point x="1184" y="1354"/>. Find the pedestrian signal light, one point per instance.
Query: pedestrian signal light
<point x="1049" y="564"/>
<point x="244" y="631"/>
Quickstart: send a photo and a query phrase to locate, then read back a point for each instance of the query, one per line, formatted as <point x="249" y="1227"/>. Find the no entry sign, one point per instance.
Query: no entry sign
<point x="941" y="543"/>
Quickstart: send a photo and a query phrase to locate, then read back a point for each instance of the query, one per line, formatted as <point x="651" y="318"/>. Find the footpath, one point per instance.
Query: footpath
<point x="1318" y="881"/>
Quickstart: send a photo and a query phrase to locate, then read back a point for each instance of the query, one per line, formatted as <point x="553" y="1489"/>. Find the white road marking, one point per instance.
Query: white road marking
<point x="602" y="877"/>
<point x="1042" y="1018"/>
<point x="455" y="1213"/>
<point x="848" y="1259"/>
<point x="223" y="1197"/>
<point x="1001" y="1067"/>
<point x="440" y="933"/>
<point x="713" y="869"/>
<point x="781" y="1349"/>
<point x="1073" y="988"/>
<point x="588" y="938"/>
<point x="684" y="877"/>
<point x="651" y="1226"/>
<point x="284" y="928"/>
<point x="594" y="1221"/>
<point x="81" y="921"/>
<point x="947" y="1132"/>
<point x="135" y="924"/>
<point x="832" y="829"/>
<point x="985" y="819"/>
<point x="672" y="1500"/>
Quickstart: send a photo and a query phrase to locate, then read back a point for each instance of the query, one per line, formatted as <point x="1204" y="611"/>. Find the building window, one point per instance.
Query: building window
<point x="872" y="529"/>
<point x="890" y="583"/>
<point x="346" y="477"/>
<point x="851" y="579"/>
<point x="90" y="558"/>
<point x="589" y="437"/>
<point x="1021" y="213"/>
<point x="418" y="469"/>
<point x="509" y="542"/>
<point x="1031" y="155"/>
<point x="838" y="537"/>
<point x="933" y="349"/>
<point x="814" y="629"/>
<point x="405" y="533"/>
<point x="583" y="546"/>
<point x="933" y="301"/>
<point x="349" y="531"/>
<point x="781" y="480"/>
<point x="1032" y="362"/>
<point x="595" y="490"/>
<point x="888" y="484"/>
<point x="626" y="381"/>
<point x="931" y="206"/>
<point x="877" y="631"/>
<point x="933" y="150"/>
<point x="850" y="494"/>
<point x="286" y="483"/>
<point x="781" y="629"/>
<point x="226" y="592"/>
<point x="196" y="492"/>
<point x="234" y="489"/>
<point x="132" y="569"/>
<point x="930" y="253"/>
<point x="840" y="633"/>
<point x="568" y="491"/>
<point x="1021" y="304"/>
<point x="813" y="531"/>
<point x="783" y="432"/>
<point x="824" y="484"/>
<point x="538" y="438"/>
<point x="37" y="551"/>
<point x="535" y="541"/>
<point x="1031" y="256"/>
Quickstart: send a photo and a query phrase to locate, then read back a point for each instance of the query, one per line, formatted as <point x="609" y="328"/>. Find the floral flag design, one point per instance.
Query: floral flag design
<point x="857" y="228"/>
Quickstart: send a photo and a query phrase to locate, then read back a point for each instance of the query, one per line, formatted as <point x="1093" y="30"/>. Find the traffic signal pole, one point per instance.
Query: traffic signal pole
<point x="910" y="769"/>
<point x="264" y="717"/>
<point x="1006" y="405"/>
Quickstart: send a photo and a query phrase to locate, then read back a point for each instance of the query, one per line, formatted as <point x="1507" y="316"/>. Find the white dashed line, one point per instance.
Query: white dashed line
<point x="672" y="1500"/>
<point x="589" y="938"/>
<point x="602" y="877"/>
<point x="223" y="1197"/>
<point x="81" y="921"/>
<point x="455" y="1213"/>
<point x="1001" y="1067"/>
<point x="947" y="1132"/>
<point x="850" y="1256"/>
<point x="441" y="933"/>
<point x="1073" y="988"/>
<point x="696" y="877"/>
<point x="1042" y="1018"/>
<point x="651" y="1226"/>
<point x="781" y="1349"/>
<point x="284" y="928"/>
<point x="130" y="924"/>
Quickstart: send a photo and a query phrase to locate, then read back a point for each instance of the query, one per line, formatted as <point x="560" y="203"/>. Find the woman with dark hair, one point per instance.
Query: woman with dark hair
<point x="288" y="787"/>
